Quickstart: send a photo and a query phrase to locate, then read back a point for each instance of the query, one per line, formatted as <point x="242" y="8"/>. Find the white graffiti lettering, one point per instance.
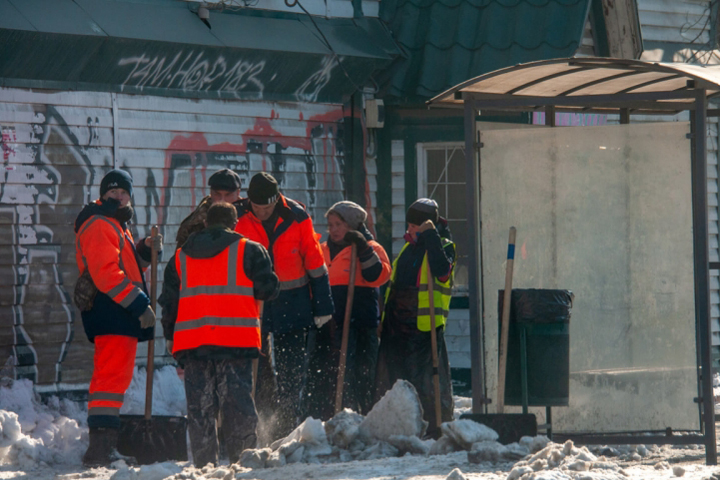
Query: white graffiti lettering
<point x="195" y="73"/>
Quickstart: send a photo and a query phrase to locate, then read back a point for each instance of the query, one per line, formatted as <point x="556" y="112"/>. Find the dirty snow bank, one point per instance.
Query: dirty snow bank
<point x="32" y="433"/>
<point x="393" y="428"/>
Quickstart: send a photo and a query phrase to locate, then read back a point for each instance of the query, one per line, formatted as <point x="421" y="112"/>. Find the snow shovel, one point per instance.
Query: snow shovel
<point x="433" y="344"/>
<point x="346" y="330"/>
<point x="146" y="438"/>
<point x="509" y="426"/>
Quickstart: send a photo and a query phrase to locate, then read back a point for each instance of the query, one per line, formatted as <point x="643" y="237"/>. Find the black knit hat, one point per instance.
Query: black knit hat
<point x="224" y="179"/>
<point x="116" y="179"/>
<point x="422" y="209"/>
<point x="263" y="189"/>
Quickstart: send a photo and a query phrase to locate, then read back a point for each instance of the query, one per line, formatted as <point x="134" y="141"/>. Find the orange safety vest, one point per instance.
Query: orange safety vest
<point x="217" y="306"/>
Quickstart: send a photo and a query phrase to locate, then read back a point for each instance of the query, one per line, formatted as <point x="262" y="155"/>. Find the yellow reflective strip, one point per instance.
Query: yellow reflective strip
<point x="297" y="283"/>
<point x="125" y="302"/>
<point x="216" y="290"/>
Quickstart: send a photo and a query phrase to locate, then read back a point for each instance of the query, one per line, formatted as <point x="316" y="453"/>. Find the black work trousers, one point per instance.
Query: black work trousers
<point x="214" y="388"/>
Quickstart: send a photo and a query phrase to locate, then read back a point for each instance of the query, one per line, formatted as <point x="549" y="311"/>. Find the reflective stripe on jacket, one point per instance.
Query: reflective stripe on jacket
<point x="441" y="293"/>
<point x="217" y="306"/>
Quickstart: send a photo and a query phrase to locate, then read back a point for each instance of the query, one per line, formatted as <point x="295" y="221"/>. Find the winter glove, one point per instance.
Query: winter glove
<point x="426" y="225"/>
<point x="322" y="320"/>
<point x="357" y="238"/>
<point x="147" y="319"/>
<point x="157" y="245"/>
<point x="168" y="346"/>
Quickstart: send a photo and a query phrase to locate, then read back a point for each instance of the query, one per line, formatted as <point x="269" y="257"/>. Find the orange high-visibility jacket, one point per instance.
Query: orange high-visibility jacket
<point x="339" y="267"/>
<point x="295" y="249"/>
<point x="217" y="306"/>
<point x="107" y="250"/>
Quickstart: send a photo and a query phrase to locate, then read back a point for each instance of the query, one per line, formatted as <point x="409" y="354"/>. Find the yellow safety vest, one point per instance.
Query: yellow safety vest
<point x="441" y="293"/>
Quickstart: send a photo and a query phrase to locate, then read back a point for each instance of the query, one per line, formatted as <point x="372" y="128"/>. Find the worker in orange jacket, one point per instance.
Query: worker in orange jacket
<point x="115" y="308"/>
<point x="346" y="226"/>
<point x="304" y="303"/>
<point x="215" y="281"/>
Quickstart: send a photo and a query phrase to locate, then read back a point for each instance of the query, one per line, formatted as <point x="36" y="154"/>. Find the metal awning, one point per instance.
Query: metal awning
<point x="587" y="85"/>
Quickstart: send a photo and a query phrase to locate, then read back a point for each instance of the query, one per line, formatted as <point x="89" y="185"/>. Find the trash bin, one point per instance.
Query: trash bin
<point x="541" y="318"/>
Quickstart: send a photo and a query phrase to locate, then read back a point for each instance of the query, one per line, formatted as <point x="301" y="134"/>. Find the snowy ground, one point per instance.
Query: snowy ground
<point x="47" y="441"/>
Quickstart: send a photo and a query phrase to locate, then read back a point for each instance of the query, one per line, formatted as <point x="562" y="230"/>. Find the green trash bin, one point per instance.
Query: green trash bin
<point x="539" y="320"/>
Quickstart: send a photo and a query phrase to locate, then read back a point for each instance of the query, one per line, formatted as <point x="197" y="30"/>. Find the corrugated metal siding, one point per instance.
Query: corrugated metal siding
<point x="587" y="44"/>
<point x="680" y="21"/>
<point x="398" y="196"/>
<point x="57" y="146"/>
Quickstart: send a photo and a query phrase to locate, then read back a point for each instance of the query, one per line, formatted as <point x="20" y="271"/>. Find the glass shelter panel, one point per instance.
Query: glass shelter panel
<point x="606" y="213"/>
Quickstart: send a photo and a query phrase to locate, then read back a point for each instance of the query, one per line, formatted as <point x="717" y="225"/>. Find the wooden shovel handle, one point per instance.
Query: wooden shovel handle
<point x="346" y="330"/>
<point x="433" y="345"/>
<point x="505" y="323"/>
<point x="151" y="343"/>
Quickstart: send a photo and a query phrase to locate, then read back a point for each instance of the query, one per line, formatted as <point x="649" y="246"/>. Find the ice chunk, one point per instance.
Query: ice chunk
<point x="456" y="474"/>
<point x="467" y="432"/>
<point x="411" y="444"/>
<point x="398" y="412"/>
<point x="342" y="429"/>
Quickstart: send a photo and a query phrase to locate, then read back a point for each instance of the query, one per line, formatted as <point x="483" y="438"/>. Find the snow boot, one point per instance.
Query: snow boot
<point x="101" y="451"/>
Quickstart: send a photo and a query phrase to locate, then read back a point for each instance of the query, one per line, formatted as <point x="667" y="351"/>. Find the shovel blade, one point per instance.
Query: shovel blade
<point x="159" y="439"/>
<point x="509" y="426"/>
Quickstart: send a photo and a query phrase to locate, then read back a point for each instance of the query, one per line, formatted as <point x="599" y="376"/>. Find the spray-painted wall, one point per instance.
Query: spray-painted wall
<point x="57" y="146"/>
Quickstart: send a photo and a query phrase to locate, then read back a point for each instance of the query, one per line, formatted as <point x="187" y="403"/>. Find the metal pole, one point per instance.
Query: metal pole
<point x="472" y="199"/>
<point x="702" y="272"/>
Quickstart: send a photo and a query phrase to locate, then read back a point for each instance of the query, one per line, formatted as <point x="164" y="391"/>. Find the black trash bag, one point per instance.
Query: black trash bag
<point x="534" y="305"/>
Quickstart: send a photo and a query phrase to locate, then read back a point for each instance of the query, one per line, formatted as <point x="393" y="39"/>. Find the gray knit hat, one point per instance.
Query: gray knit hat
<point x="352" y="213"/>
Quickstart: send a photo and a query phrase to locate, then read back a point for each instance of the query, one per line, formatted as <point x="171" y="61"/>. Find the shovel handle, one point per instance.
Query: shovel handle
<point x="256" y="361"/>
<point x="433" y="345"/>
<point x="346" y="330"/>
<point x="151" y="343"/>
<point x="505" y="323"/>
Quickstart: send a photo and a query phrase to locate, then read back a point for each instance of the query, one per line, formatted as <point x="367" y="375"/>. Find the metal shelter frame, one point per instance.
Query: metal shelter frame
<point x="598" y="85"/>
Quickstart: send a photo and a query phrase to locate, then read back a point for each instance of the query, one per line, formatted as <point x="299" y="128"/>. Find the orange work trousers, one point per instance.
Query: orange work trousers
<point x="112" y="373"/>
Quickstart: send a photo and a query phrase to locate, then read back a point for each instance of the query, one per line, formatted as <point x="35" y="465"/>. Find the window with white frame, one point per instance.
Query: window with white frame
<point x="441" y="176"/>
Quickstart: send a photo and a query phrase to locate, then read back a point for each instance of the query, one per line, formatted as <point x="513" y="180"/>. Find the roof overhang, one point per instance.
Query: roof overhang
<point x="587" y="85"/>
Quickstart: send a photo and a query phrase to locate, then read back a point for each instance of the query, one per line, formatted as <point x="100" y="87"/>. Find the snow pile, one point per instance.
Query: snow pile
<point x="32" y="433"/>
<point x="168" y="393"/>
<point x="393" y="428"/>
<point x="565" y="462"/>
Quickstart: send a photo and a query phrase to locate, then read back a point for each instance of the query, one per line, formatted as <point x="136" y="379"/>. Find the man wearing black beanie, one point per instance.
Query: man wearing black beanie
<point x="284" y="227"/>
<point x="113" y="300"/>
<point x="224" y="187"/>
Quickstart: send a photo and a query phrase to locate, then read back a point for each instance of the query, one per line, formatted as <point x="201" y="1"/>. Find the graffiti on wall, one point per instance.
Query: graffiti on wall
<point x="194" y="72"/>
<point x="52" y="166"/>
<point x="32" y="191"/>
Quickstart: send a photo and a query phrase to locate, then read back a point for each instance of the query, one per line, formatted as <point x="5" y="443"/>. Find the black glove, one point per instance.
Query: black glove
<point x="357" y="238"/>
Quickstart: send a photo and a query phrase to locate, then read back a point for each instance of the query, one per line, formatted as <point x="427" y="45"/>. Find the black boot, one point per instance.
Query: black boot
<point x="101" y="451"/>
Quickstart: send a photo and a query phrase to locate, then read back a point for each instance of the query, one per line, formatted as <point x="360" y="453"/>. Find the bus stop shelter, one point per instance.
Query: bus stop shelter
<point x="646" y="224"/>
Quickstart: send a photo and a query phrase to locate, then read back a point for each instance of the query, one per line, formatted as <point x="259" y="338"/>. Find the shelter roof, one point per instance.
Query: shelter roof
<point x="587" y="84"/>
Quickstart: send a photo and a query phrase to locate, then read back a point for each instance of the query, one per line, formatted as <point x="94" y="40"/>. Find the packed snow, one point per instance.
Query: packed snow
<point x="46" y="440"/>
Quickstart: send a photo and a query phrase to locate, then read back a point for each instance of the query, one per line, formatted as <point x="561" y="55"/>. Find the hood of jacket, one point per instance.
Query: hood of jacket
<point x="106" y="208"/>
<point x="209" y="242"/>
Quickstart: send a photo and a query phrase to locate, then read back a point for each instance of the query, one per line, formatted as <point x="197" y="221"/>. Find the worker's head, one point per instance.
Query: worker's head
<point x="221" y="213"/>
<point x="344" y="216"/>
<point x="224" y="186"/>
<point x="421" y="210"/>
<point x="264" y="194"/>
<point x="118" y="185"/>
